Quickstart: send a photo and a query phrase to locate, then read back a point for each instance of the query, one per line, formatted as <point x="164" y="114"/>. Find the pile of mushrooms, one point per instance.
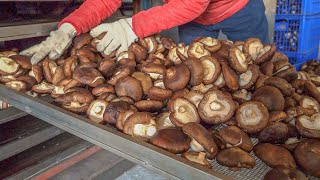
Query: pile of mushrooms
<point x="174" y="96"/>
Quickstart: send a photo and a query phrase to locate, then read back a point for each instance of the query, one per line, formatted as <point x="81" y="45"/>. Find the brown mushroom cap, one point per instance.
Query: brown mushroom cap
<point x="194" y="97"/>
<point x="145" y="80"/>
<point x="210" y="43"/>
<point x="201" y="139"/>
<point x="284" y="174"/>
<point x="276" y="116"/>
<point x="307" y="155"/>
<point x="141" y="125"/>
<point x="17" y="85"/>
<point x="172" y="140"/>
<point x="220" y="82"/>
<point x="279" y="56"/>
<point x="237" y="60"/>
<point x="119" y="73"/>
<point x="309" y="126"/>
<point x="197" y="157"/>
<point x="163" y="121"/>
<point x="30" y="81"/>
<point x="247" y="79"/>
<point x="76" y="101"/>
<point x="211" y="68"/>
<point x="89" y="76"/>
<point x="288" y="73"/>
<point x="8" y="66"/>
<point x="43" y="88"/>
<point x="96" y="110"/>
<point x="69" y="66"/>
<point x="124" y="99"/>
<point x="36" y="72"/>
<point x="113" y="109"/>
<point x="140" y="53"/>
<point x="149" y="105"/>
<point x="103" y="88"/>
<point x="235" y="158"/>
<point x="81" y="40"/>
<point x="275" y="133"/>
<point x="155" y="71"/>
<point x="183" y="112"/>
<point x="176" y="77"/>
<point x="216" y="107"/>
<point x="270" y="96"/>
<point x="7" y="78"/>
<point x="123" y="117"/>
<point x="252" y="117"/>
<point x="231" y="78"/>
<point x="167" y="42"/>
<point x="267" y="68"/>
<point x="274" y="156"/>
<point x="23" y="61"/>
<point x="159" y="94"/>
<point x="232" y="136"/>
<point x="265" y="54"/>
<point x="125" y="55"/>
<point x="253" y="47"/>
<point x="107" y="68"/>
<point x="129" y="86"/>
<point x="260" y="81"/>
<point x="58" y="75"/>
<point x="242" y="96"/>
<point x="198" y="50"/>
<point x="281" y="84"/>
<point x="196" y="71"/>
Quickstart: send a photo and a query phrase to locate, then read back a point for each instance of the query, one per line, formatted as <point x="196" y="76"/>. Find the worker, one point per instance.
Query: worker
<point x="237" y="19"/>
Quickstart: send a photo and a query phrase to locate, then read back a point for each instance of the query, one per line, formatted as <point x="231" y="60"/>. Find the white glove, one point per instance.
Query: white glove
<point x="54" y="45"/>
<point x="119" y="33"/>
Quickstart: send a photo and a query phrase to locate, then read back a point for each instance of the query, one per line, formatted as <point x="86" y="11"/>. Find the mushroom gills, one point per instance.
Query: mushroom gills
<point x="220" y="108"/>
<point x="245" y="78"/>
<point x="8" y="65"/>
<point x="251" y="115"/>
<point x="196" y="146"/>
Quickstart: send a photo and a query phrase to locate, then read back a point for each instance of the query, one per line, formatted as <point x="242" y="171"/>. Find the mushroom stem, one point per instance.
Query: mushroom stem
<point x="215" y="106"/>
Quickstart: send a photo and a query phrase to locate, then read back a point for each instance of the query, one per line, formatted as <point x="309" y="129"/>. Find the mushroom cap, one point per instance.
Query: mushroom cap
<point x="167" y="42"/>
<point x="265" y="54"/>
<point x="309" y="126"/>
<point x="43" y="88"/>
<point x="177" y="77"/>
<point x="163" y="121"/>
<point x="159" y="94"/>
<point x="267" y="68"/>
<point x="238" y="60"/>
<point x="197" y="157"/>
<point x="198" y="50"/>
<point x="69" y="66"/>
<point x="103" y="88"/>
<point x="252" y="117"/>
<point x="123" y="117"/>
<point x="211" y="69"/>
<point x="281" y="84"/>
<point x="149" y="105"/>
<point x="279" y="56"/>
<point x="274" y="156"/>
<point x="288" y="74"/>
<point x="311" y="89"/>
<point x="182" y="52"/>
<point x="30" y="81"/>
<point x="7" y="78"/>
<point x="275" y="133"/>
<point x="284" y="174"/>
<point x="140" y="53"/>
<point x="235" y="158"/>
<point x="17" y="85"/>
<point x="8" y="66"/>
<point x="248" y="78"/>
<point x="202" y="88"/>
<point x="88" y="76"/>
<point x="253" y="47"/>
<point x="230" y="76"/>
<point x="310" y="103"/>
<point x="119" y="73"/>
<point x="200" y="136"/>
<point x="129" y="86"/>
<point x="196" y="71"/>
<point x="173" y="55"/>
<point x="80" y="95"/>
<point x="96" y="110"/>
<point x="194" y="97"/>
<point x="145" y="80"/>
<point x="124" y="99"/>
<point x="172" y="140"/>
<point x="125" y="55"/>
<point x="220" y="82"/>
<point x="183" y="112"/>
<point x="23" y="61"/>
<point x="141" y="125"/>
<point x="276" y="116"/>
<point x="260" y="81"/>
<point x="242" y="96"/>
<point x="155" y="71"/>
<point x="58" y="75"/>
<point x="223" y="52"/>
<point x="307" y="156"/>
<point x="216" y="107"/>
<point x="210" y="43"/>
<point x="113" y="109"/>
<point x="232" y="136"/>
<point x="268" y="95"/>
<point x="81" y="40"/>
<point x="107" y="68"/>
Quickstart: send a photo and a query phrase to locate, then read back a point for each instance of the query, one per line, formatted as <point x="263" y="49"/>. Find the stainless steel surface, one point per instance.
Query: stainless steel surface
<point x="25" y="29"/>
<point x="10" y="114"/>
<point x="27" y="142"/>
<point x="142" y="153"/>
<point x="50" y="162"/>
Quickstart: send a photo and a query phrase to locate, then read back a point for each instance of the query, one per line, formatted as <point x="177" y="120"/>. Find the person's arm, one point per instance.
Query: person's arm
<point x="91" y="13"/>
<point x="172" y="14"/>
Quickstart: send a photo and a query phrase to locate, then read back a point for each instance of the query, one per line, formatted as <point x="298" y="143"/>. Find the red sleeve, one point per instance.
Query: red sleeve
<point x="172" y="14"/>
<point x="91" y="13"/>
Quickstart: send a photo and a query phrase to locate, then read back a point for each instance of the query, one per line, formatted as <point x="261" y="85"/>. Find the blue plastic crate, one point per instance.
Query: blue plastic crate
<point x="299" y="35"/>
<point x="298" y="7"/>
<point x="299" y="58"/>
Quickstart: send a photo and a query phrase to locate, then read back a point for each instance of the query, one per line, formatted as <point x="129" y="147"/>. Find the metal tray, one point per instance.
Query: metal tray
<point x="142" y="153"/>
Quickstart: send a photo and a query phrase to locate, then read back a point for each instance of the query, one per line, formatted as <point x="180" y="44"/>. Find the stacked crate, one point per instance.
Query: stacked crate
<point x="297" y="29"/>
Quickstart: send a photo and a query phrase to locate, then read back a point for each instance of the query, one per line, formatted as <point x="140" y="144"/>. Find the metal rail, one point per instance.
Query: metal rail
<point x="10" y="113"/>
<point x="139" y="152"/>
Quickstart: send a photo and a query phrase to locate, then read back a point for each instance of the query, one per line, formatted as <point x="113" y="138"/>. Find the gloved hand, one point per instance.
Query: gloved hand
<point x="119" y="33"/>
<point x="54" y="45"/>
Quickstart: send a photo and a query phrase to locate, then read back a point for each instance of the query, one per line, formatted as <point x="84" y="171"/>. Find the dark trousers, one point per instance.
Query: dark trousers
<point x="250" y="21"/>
